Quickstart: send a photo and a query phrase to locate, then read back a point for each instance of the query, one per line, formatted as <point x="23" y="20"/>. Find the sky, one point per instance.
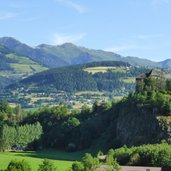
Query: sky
<point x="139" y="28"/>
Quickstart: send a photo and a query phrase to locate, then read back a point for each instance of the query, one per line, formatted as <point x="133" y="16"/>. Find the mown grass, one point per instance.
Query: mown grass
<point x="167" y="76"/>
<point x="26" y="68"/>
<point x="128" y="80"/>
<point x="89" y="92"/>
<point x="21" y="67"/>
<point x="62" y="160"/>
<point x="94" y="70"/>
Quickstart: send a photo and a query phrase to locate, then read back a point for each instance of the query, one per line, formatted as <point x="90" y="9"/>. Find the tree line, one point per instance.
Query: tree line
<point x="76" y="79"/>
<point x="19" y="137"/>
<point x="105" y="123"/>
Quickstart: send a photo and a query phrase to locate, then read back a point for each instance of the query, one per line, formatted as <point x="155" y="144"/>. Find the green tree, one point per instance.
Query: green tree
<point x="90" y="163"/>
<point x="72" y="123"/>
<point x="19" y="113"/>
<point x="4" y="107"/>
<point x="19" y="136"/>
<point x="7" y="137"/>
<point x="77" y="166"/>
<point x="18" y="166"/>
<point x="47" y="165"/>
<point x="168" y="85"/>
<point x="95" y="106"/>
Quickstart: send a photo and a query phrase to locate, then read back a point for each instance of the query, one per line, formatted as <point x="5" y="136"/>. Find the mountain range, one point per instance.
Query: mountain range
<point x="53" y="56"/>
<point x="14" y="67"/>
<point x="19" y="60"/>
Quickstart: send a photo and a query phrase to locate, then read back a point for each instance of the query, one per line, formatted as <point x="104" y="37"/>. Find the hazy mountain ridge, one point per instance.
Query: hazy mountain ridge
<point x="68" y="54"/>
<point x="33" y="53"/>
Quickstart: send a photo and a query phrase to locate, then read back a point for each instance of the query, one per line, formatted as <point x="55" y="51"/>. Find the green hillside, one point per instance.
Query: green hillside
<point x="14" y="67"/>
<point x="68" y="54"/>
<point x="75" y="85"/>
<point x="37" y="55"/>
<point x="73" y="54"/>
<point x="79" y="78"/>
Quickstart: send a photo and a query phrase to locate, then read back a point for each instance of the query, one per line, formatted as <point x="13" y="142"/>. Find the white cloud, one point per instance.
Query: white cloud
<point x="78" y="7"/>
<point x="8" y="15"/>
<point x="63" y="38"/>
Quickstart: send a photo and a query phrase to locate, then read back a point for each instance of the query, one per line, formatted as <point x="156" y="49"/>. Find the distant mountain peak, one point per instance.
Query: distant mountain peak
<point x="5" y="39"/>
<point x="65" y="45"/>
<point x="44" y="46"/>
<point x="10" y="42"/>
<point x="8" y="38"/>
<point x="68" y="45"/>
<point x="68" y="53"/>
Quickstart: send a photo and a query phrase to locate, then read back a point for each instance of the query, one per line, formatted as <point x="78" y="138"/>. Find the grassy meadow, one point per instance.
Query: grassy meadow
<point x="94" y="70"/>
<point x="62" y="160"/>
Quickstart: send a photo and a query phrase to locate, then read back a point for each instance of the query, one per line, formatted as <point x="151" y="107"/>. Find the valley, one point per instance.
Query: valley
<point x="61" y="112"/>
<point x="14" y="67"/>
<point x="83" y="85"/>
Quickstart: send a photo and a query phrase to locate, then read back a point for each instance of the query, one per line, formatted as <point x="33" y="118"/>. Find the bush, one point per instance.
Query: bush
<point x="88" y="163"/>
<point x="47" y="165"/>
<point x="18" y="166"/>
<point x="77" y="166"/>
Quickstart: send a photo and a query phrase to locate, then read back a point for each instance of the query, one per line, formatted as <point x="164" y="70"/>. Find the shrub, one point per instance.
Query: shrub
<point x="77" y="166"/>
<point x="18" y="166"/>
<point x="47" y="165"/>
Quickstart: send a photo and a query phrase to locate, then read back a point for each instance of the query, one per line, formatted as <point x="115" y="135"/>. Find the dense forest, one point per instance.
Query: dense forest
<point x="139" y="118"/>
<point x="77" y="79"/>
<point x="142" y="117"/>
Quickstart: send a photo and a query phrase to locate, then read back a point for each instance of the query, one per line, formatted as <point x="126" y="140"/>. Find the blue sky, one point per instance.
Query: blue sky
<point x="129" y="27"/>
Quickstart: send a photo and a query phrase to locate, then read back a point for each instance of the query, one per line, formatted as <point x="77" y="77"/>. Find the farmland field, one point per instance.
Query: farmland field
<point x="62" y="160"/>
<point x="94" y="70"/>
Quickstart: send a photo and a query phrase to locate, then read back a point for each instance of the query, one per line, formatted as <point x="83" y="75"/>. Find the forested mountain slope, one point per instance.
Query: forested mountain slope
<point x="14" y="67"/>
<point x="37" y="55"/>
<point x="68" y="54"/>
<point x="96" y="76"/>
<point x="142" y="117"/>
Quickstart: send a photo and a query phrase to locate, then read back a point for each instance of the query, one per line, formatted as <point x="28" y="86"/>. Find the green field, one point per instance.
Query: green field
<point x="128" y="80"/>
<point x="21" y="67"/>
<point x="62" y="160"/>
<point x="94" y="70"/>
